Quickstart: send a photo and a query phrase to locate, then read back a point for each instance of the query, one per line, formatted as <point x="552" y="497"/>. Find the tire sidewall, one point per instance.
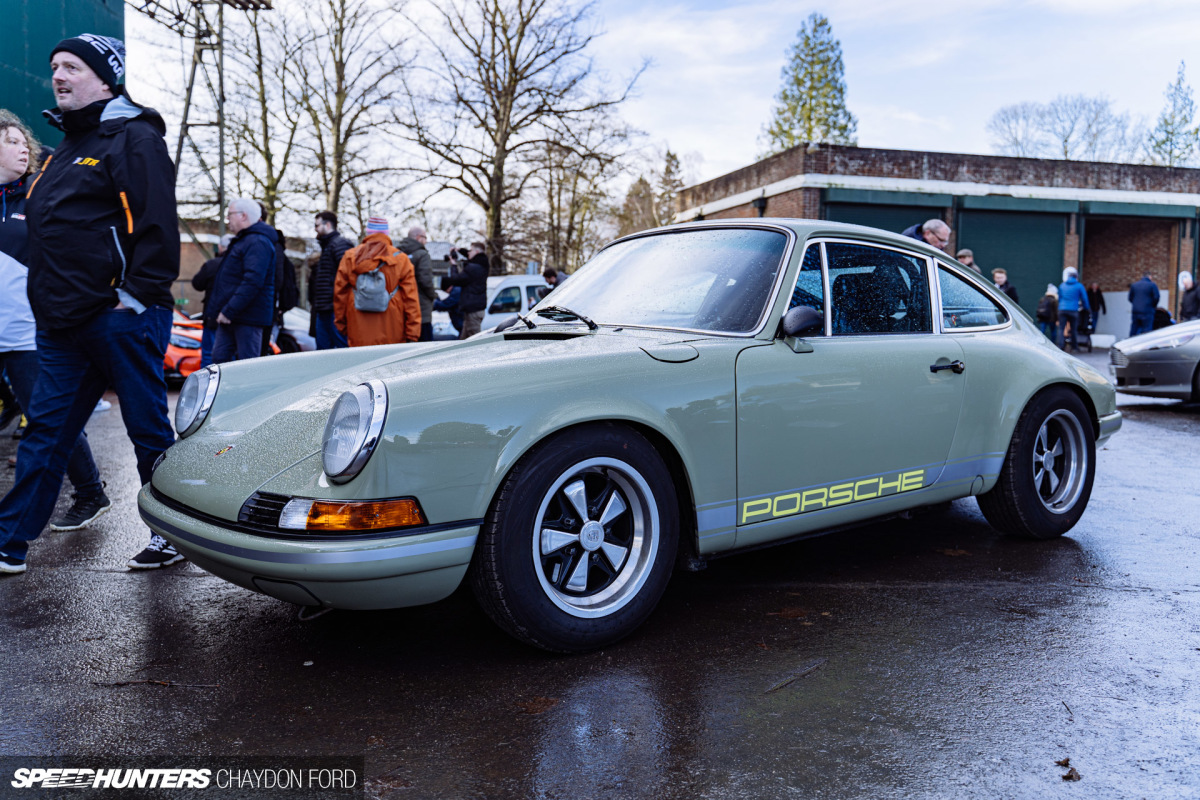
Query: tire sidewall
<point x="511" y="525"/>
<point x="1042" y="522"/>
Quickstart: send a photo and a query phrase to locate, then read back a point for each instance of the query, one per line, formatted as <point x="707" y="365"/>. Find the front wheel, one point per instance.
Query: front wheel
<point x="1047" y="476"/>
<point x="577" y="547"/>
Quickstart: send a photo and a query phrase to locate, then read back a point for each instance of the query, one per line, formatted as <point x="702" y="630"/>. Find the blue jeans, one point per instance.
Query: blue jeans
<point x="328" y="336"/>
<point x="117" y="348"/>
<point x="1050" y="330"/>
<point x="237" y="342"/>
<point x="1141" y="323"/>
<point x="22" y="367"/>
<point x="1067" y="338"/>
<point x="207" y="337"/>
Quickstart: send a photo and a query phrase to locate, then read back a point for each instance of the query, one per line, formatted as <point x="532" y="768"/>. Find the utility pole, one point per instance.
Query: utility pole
<point x="193" y="19"/>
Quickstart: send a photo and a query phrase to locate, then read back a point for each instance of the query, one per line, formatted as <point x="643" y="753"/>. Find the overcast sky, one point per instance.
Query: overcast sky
<point x="919" y="75"/>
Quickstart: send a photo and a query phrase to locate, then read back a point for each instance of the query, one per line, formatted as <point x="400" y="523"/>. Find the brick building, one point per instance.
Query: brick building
<point x="1031" y="216"/>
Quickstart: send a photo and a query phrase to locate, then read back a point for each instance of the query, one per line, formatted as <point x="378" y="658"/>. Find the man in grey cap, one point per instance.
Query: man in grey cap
<point x="103" y="255"/>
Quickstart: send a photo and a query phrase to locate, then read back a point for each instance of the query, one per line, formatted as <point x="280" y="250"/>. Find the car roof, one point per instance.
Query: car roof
<point x="806" y="229"/>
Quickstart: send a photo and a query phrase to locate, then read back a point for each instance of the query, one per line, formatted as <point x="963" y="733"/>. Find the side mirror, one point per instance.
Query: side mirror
<point x="802" y="319"/>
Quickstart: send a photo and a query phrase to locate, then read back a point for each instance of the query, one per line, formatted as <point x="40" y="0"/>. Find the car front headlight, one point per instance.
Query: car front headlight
<point x="353" y="430"/>
<point x="1167" y="343"/>
<point x="195" y="399"/>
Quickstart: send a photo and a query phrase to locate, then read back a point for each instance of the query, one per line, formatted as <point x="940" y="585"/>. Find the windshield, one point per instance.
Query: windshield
<point x="710" y="280"/>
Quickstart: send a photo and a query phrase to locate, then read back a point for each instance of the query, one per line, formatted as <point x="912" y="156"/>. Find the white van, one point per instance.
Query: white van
<point x="507" y="296"/>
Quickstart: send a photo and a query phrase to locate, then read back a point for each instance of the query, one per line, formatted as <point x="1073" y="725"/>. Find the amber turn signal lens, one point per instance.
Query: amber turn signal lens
<point x="333" y="515"/>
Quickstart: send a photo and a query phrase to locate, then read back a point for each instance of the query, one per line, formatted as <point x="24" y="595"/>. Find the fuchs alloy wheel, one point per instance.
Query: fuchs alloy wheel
<point x="1047" y="476"/>
<point x="579" y="543"/>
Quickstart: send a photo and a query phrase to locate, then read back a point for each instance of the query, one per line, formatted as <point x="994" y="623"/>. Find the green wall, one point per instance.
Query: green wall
<point x="31" y="28"/>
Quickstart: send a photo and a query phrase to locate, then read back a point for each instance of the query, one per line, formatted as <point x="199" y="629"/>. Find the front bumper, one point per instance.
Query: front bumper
<point x="1162" y="373"/>
<point x="404" y="570"/>
<point x="1109" y="424"/>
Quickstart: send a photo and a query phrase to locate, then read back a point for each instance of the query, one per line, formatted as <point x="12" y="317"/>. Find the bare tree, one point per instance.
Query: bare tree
<point x="508" y="80"/>
<point x="348" y="83"/>
<point x="1017" y="131"/>
<point x="1071" y="127"/>
<point x="262" y="122"/>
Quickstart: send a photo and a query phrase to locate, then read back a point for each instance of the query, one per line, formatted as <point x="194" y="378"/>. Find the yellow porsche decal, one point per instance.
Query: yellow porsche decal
<point x="816" y="498"/>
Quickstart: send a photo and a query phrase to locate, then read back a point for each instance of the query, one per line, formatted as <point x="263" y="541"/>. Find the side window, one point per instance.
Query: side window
<point x="873" y="290"/>
<point x="508" y="301"/>
<point x="532" y="296"/>
<point x="964" y="306"/>
<point x="809" y="290"/>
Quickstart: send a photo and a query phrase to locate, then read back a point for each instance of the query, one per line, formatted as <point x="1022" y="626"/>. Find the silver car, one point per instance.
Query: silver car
<point x="1162" y="363"/>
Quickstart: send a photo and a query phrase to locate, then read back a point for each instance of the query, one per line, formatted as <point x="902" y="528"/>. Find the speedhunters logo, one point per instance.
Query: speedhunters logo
<point x="61" y="778"/>
<point x="215" y="777"/>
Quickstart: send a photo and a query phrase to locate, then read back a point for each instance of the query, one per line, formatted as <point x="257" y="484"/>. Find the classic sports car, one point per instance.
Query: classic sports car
<point x="1162" y="363"/>
<point x="692" y="391"/>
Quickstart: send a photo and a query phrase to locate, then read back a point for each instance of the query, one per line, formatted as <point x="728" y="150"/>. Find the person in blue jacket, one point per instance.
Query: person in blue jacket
<point x="1072" y="299"/>
<point x="1143" y="297"/>
<point x="244" y="292"/>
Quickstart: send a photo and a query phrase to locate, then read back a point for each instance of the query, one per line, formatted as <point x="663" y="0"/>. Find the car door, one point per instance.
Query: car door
<point x="863" y="415"/>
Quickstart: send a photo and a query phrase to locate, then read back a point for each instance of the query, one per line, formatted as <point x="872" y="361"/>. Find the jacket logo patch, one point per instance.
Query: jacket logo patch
<point x="223" y="450"/>
<point x="18" y="216"/>
<point x="86" y="162"/>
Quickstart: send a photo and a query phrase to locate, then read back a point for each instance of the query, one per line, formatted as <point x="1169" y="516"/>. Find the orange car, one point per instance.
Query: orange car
<point x="183" y="351"/>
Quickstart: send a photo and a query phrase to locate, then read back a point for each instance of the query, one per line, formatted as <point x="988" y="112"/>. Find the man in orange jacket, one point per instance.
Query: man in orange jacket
<point x="401" y="321"/>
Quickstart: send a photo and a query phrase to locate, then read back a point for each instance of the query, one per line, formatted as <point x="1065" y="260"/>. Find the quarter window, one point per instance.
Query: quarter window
<point x="964" y="306"/>
<point x="809" y="290"/>
<point x="873" y="290"/>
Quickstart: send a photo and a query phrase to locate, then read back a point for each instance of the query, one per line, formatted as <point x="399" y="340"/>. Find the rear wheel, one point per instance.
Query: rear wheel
<point x="578" y="545"/>
<point x="1047" y="476"/>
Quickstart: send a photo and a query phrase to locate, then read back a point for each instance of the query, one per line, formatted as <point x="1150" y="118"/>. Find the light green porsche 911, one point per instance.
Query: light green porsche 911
<point x="690" y="392"/>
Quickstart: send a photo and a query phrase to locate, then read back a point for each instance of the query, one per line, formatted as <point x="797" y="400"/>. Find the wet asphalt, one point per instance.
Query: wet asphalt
<point x="906" y="659"/>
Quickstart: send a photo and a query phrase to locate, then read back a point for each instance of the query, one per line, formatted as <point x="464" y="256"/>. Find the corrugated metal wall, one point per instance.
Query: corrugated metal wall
<point x="29" y="31"/>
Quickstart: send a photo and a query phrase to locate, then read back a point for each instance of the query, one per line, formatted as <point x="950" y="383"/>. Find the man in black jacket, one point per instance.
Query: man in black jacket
<point x="103" y="254"/>
<point x="413" y="246"/>
<point x="203" y="281"/>
<point x="320" y="281"/>
<point x="472" y="276"/>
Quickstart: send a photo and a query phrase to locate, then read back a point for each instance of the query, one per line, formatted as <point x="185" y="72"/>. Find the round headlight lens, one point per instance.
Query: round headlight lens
<point x="353" y="430"/>
<point x="195" y="399"/>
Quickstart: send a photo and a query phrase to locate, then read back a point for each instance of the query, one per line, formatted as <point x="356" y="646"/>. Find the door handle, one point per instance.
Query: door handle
<point x="956" y="366"/>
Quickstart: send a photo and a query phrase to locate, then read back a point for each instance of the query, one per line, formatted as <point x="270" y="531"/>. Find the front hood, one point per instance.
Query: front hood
<point x="269" y="414"/>
<point x="1147" y="341"/>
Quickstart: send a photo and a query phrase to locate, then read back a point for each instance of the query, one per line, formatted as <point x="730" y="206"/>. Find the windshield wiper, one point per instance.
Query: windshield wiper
<point x="568" y="313"/>
<point x="526" y="320"/>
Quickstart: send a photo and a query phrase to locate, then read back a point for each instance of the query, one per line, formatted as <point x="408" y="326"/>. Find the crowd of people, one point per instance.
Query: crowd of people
<point x="89" y="312"/>
<point x="1068" y="310"/>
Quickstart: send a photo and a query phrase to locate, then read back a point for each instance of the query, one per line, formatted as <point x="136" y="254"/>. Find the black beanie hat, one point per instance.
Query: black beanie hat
<point x="104" y="54"/>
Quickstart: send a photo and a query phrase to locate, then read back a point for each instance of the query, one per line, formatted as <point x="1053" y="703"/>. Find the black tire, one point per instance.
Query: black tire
<point x="1047" y="476"/>
<point x="567" y="581"/>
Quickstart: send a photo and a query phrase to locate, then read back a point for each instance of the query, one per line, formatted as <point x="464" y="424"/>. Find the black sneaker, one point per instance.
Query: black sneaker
<point x="83" y="512"/>
<point x="10" y="565"/>
<point x="159" y="553"/>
